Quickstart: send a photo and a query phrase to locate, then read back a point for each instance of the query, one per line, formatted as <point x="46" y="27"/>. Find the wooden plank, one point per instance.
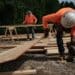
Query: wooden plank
<point x="47" y="45"/>
<point x="36" y="50"/>
<point x="36" y="25"/>
<point x="9" y="26"/>
<point x="54" y="50"/>
<point x="36" y="47"/>
<point x="14" y="53"/>
<point x="7" y="46"/>
<point x="19" y="36"/>
<point x="40" y="45"/>
<point x="22" y="72"/>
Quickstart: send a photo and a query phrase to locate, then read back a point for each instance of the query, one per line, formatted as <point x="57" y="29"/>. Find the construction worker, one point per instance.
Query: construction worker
<point x="71" y="46"/>
<point x="30" y="19"/>
<point x="55" y="18"/>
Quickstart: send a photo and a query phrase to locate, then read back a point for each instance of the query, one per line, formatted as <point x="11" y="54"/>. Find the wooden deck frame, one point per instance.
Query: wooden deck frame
<point x="14" y="53"/>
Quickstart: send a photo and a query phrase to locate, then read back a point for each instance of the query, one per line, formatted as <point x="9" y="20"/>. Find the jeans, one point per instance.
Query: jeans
<point x="59" y="40"/>
<point x="30" y="30"/>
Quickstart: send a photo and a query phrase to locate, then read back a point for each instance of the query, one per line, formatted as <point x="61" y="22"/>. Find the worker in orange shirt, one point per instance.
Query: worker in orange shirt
<point x="30" y="19"/>
<point x="55" y="18"/>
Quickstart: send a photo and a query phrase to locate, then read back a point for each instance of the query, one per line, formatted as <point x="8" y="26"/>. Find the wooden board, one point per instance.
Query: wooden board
<point x="54" y="50"/>
<point x="7" y="46"/>
<point x="47" y="45"/>
<point x="9" y="26"/>
<point x="35" y="50"/>
<point x="50" y="42"/>
<point x="19" y="36"/>
<point x="21" y="72"/>
<point x="14" y="53"/>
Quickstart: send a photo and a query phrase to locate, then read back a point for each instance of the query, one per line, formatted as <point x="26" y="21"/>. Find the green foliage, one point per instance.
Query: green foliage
<point x="66" y="4"/>
<point x="19" y="8"/>
<point x="1" y="4"/>
<point x="13" y="11"/>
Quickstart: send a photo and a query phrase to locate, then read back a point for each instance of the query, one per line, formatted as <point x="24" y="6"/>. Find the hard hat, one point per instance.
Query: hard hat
<point x="68" y="19"/>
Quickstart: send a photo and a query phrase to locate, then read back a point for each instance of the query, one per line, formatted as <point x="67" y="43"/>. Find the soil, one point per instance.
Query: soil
<point x="46" y="65"/>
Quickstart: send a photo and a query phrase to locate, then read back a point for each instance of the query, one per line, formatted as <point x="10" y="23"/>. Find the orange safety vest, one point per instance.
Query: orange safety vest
<point x="30" y="19"/>
<point x="55" y="17"/>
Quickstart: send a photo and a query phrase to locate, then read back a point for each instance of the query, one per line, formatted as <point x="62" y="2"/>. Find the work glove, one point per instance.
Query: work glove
<point x="46" y="32"/>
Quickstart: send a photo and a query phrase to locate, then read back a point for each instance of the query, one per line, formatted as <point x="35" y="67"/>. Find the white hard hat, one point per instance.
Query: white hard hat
<point x="68" y="19"/>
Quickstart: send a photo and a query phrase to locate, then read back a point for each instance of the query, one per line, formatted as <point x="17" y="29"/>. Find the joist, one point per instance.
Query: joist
<point x="7" y="46"/>
<point x="36" y="47"/>
<point x="21" y="72"/>
<point x="54" y="50"/>
<point x="13" y="46"/>
<point x="14" y="53"/>
<point x="36" y="51"/>
<point x="18" y="37"/>
<point x="55" y="45"/>
<point x="53" y="40"/>
<point x="39" y="45"/>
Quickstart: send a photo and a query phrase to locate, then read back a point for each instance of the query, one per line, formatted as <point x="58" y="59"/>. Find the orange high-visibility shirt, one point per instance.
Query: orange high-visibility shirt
<point x="30" y="19"/>
<point x="55" y="17"/>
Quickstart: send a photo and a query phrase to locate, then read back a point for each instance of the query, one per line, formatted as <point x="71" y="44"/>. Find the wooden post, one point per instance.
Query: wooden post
<point x="21" y="72"/>
<point x="11" y="29"/>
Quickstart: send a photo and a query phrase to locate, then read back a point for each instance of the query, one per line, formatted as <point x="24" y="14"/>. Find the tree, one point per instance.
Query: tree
<point x="18" y="8"/>
<point x="66" y="4"/>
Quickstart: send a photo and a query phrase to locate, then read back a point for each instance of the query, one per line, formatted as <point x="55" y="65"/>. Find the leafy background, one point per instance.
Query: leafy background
<point x="12" y="11"/>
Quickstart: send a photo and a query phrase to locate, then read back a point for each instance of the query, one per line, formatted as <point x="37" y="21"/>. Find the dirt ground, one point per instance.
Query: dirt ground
<point x="46" y="65"/>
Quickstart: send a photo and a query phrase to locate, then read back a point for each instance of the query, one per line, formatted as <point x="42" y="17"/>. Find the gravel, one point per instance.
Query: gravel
<point x="46" y="65"/>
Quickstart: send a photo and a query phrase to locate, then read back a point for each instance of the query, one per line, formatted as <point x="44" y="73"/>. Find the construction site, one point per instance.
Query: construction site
<point x="19" y="56"/>
<point x="37" y="37"/>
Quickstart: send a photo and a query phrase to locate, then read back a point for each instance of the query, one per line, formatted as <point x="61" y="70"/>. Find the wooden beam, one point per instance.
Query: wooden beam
<point x="43" y="45"/>
<point x="36" y="47"/>
<point x="36" y="50"/>
<point x="36" y="25"/>
<point x="7" y="46"/>
<point x="14" y="53"/>
<point x="54" y="50"/>
<point x="22" y="72"/>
